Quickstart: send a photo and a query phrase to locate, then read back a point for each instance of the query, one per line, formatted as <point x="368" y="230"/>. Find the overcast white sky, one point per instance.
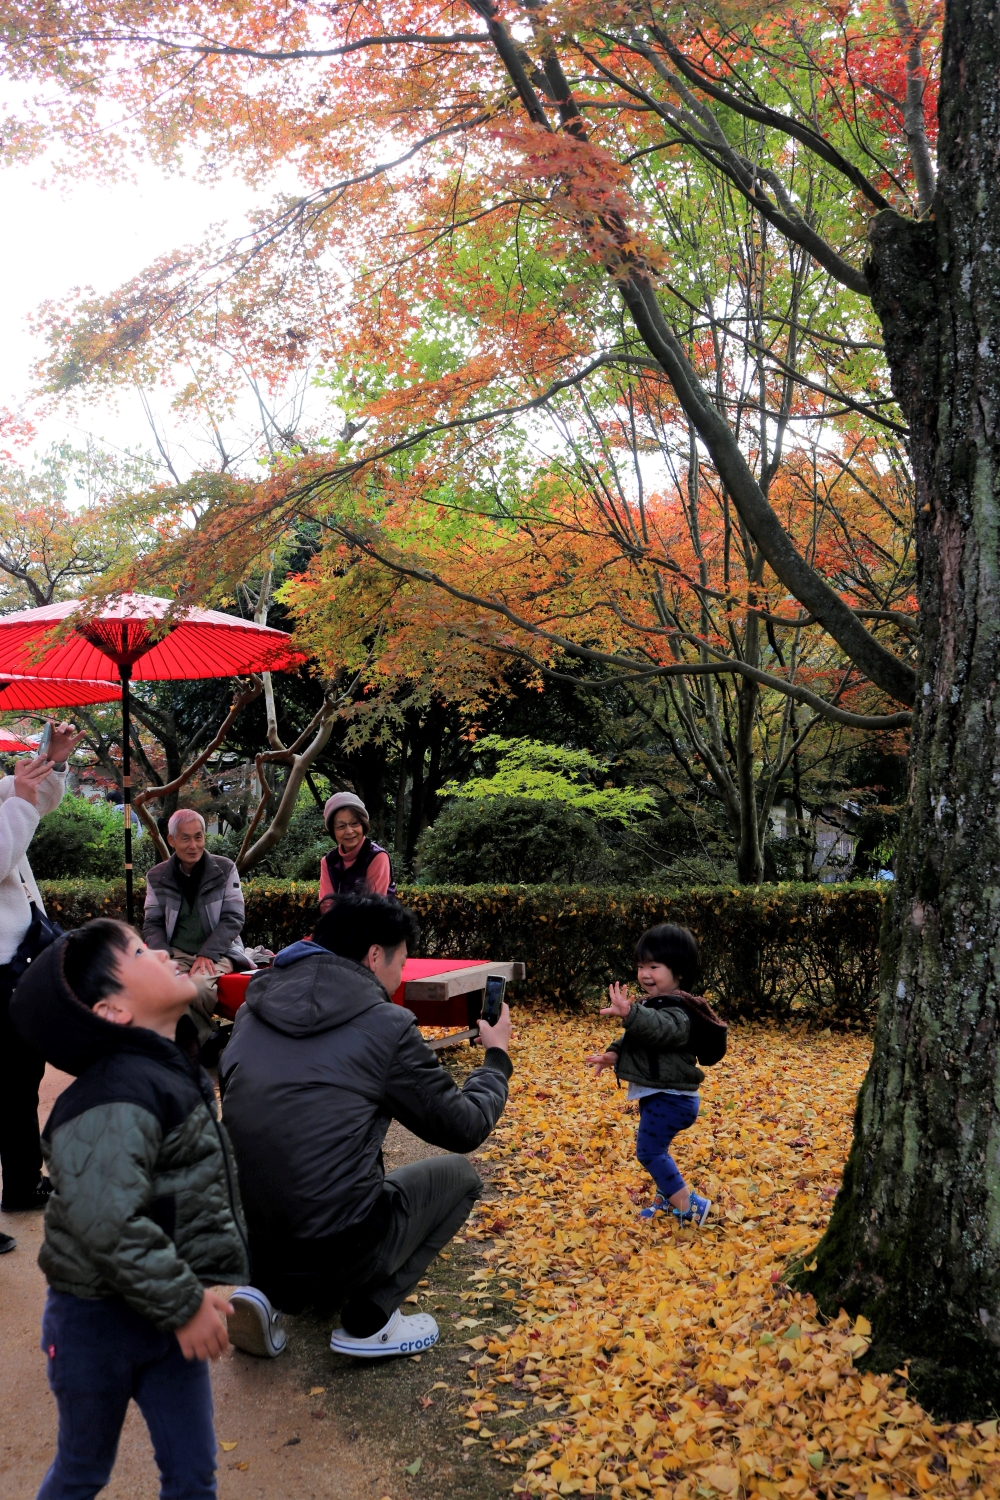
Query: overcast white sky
<point x="95" y="234"/>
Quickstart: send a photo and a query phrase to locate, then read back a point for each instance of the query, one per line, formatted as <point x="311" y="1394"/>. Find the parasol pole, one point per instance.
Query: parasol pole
<point x="125" y="673"/>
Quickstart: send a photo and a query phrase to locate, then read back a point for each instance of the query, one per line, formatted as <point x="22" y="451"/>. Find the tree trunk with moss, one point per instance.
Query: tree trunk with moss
<point x="914" y="1241"/>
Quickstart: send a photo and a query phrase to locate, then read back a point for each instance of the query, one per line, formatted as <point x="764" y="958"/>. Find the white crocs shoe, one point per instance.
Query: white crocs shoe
<point x="399" y="1336"/>
<point x="253" y="1324"/>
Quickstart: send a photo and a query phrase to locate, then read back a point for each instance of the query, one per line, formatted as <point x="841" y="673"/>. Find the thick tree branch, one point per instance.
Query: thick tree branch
<point x="812" y="591"/>
<point x="801" y="580"/>
<point x="773" y="118"/>
<point x="913" y="107"/>
<point x="513" y="60"/>
<point x="299" y="757"/>
<point x="297" y="54"/>
<point x="697" y="127"/>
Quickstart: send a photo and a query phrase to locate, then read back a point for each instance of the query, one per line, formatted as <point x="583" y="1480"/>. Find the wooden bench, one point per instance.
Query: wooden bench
<point x="449" y="992"/>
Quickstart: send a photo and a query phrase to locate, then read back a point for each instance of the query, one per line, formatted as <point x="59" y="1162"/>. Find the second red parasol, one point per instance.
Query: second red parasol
<point x="10" y="744"/>
<point x="36" y="694"/>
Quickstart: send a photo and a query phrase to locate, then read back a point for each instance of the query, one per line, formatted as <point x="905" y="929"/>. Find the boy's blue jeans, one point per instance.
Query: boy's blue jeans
<point x="100" y="1353"/>
<point x="661" y="1117"/>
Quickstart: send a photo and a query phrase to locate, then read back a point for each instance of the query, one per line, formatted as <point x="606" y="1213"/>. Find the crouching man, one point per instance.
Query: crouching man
<point x="319" y="1064"/>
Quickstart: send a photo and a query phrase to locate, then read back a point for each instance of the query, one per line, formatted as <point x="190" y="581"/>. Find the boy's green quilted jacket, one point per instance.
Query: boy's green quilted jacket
<point x="146" y="1203"/>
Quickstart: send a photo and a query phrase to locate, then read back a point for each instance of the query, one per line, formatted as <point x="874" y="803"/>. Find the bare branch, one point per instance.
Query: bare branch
<point x="155" y="793"/>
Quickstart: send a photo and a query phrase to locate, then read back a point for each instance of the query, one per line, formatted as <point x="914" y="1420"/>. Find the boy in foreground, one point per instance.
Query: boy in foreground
<point x="657" y="1057"/>
<point x="143" y="1218"/>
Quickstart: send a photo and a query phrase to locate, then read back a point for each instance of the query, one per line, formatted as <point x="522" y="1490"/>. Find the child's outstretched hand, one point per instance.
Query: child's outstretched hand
<point x="620" y="1002"/>
<point x="600" y="1060"/>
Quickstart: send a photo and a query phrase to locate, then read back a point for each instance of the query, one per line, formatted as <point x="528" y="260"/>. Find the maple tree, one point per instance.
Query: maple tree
<point x="414" y="129"/>
<point x="672" y="577"/>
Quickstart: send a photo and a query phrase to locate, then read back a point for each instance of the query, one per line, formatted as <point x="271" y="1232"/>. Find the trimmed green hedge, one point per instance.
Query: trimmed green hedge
<point x="772" y="952"/>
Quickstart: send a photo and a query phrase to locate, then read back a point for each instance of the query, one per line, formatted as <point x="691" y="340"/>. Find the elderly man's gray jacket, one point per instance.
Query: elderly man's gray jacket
<point x="220" y="906"/>
<point x="319" y="1063"/>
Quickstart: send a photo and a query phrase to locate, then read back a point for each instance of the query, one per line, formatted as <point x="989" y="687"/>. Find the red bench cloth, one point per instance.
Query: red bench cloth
<point x="231" y="989"/>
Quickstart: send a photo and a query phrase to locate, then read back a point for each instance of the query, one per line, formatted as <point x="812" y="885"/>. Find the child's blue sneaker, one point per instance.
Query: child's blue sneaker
<point x="696" y="1212"/>
<point x="659" y="1205"/>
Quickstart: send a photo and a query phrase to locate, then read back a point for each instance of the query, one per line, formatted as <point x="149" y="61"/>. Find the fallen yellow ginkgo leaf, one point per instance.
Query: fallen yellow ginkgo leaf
<point x="665" y="1359"/>
<point x="722" y="1478"/>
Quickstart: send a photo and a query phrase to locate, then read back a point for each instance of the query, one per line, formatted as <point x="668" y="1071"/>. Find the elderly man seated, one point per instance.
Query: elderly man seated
<point x="194" y="908"/>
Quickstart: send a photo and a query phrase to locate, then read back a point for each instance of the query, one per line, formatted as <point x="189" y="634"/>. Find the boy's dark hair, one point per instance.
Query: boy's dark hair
<point x="352" y="923"/>
<point x="90" y="959"/>
<point x="677" y="947"/>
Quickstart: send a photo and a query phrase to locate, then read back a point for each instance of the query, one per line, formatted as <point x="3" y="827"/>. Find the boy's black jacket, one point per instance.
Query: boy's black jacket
<point x="145" y="1204"/>
<point x="654" y="1051"/>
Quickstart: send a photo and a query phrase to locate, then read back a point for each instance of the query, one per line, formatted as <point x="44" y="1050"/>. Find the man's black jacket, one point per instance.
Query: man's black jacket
<point x="319" y="1064"/>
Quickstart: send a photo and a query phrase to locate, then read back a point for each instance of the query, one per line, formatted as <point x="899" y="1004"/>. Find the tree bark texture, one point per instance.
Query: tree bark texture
<point x="914" y="1241"/>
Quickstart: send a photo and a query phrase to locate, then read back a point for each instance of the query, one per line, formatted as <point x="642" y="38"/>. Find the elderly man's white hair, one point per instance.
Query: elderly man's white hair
<point x="181" y="816"/>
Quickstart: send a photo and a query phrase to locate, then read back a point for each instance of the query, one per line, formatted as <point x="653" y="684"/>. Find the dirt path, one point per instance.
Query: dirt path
<point x="308" y="1424"/>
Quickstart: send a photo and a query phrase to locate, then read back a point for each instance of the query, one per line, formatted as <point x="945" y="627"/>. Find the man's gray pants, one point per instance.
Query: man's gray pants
<point x="430" y="1201"/>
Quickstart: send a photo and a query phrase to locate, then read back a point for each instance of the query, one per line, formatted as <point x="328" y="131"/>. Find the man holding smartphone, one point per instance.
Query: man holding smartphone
<point x="35" y="788"/>
<point x="319" y="1065"/>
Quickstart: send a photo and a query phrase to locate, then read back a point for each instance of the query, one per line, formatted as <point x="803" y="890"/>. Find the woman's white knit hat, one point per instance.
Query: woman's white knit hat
<point x="343" y="799"/>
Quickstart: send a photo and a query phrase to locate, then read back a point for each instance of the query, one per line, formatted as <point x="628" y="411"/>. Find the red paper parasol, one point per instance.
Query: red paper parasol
<point x="127" y="640"/>
<point x="35" y="694"/>
<point x="202" y="643"/>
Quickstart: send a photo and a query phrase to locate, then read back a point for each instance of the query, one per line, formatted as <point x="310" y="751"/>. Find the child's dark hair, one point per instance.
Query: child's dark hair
<point x="90" y="959"/>
<point x="676" y="947"/>
<point x="351" y="924"/>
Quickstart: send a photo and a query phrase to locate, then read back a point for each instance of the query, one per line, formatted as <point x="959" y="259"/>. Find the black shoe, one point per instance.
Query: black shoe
<point x="215" y="1044"/>
<point x="7" y="1242"/>
<point x="37" y="1198"/>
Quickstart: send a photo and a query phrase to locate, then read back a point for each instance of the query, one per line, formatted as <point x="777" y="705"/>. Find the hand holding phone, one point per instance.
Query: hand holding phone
<point x="498" y="1035"/>
<point x="493" y="999"/>
<point x="45" y="741"/>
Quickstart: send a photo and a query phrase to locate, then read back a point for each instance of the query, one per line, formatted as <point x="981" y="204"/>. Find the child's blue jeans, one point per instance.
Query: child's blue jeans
<point x="661" y="1117"/>
<point x="100" y="1353"/>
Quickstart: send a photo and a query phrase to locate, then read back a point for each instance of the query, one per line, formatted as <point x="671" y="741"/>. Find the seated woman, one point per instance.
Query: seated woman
<point x="356" y="864"/>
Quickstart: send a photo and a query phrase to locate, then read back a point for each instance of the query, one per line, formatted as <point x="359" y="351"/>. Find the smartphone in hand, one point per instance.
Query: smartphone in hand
<point x="493" y="999"/>
<point x="45" y="741"/>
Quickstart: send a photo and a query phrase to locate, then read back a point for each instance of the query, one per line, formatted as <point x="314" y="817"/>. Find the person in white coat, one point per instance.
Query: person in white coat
<point x="36" y="788"/>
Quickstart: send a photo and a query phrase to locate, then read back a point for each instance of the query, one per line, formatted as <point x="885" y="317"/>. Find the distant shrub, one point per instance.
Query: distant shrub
<point x="81" y="839"/>
<point x="512" y="839"/>
<point x="781" y="952"/>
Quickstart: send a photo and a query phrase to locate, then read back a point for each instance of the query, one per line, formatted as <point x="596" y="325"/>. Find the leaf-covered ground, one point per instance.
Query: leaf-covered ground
<point x="650" y="1357"/>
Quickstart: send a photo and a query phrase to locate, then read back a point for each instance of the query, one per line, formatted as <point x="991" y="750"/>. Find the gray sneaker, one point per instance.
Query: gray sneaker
<point x="254" y="1324"/>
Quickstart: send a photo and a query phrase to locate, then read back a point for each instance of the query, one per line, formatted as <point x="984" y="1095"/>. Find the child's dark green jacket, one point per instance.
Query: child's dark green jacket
<point x="651" y="1050"/>
<point x="145" y="1204"/>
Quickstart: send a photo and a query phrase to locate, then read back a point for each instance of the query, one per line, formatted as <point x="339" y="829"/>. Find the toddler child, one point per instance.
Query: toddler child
<point x="655" y="1057"/>
<point x="143" y="1217"/>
